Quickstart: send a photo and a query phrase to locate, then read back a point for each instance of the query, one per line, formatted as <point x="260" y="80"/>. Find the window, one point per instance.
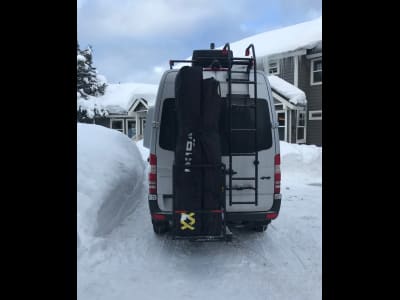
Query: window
<point x="143" y="123"/>
<point x="131" y="128"/>
<point x="316" y="71"/>
<point x="117" y="124"/>
<point x="242" y="142"/>
<point x="281" y="117"/>
<point x="273" y="67"/>
<point x="315" y="115"/>
<point x="300" y="127"/>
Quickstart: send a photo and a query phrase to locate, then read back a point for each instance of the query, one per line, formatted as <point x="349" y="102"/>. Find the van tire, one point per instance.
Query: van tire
<point x="160" y="228"/>
<point x="260" y="227"/>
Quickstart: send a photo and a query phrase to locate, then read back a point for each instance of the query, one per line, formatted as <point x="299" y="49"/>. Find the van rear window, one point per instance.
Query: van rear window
<point x="242" y="117"/>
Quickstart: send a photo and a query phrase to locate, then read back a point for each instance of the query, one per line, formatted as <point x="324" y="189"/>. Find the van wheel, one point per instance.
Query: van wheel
<point x="260" y="228"/>
<point x="160" y="228"/>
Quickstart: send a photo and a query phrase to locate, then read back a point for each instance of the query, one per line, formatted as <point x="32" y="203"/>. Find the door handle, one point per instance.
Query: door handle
<point x="265" y="177"/>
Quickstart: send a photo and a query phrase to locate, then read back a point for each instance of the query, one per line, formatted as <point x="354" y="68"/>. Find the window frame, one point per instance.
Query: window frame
<point x="277" y="66"/>
<point x="115" y="120"/>
<point x="142" y="124"/>
<point x="312" y="71"/>
<point x="312" y="118"/>
<point x="284" y="126"/>
<point x="127" y="128"/>
<point x="303" y="140"/>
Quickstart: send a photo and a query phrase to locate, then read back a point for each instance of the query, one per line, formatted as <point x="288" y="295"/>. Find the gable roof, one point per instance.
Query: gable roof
<point x="137" y="102"/>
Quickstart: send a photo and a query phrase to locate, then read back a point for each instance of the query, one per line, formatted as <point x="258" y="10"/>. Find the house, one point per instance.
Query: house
<point x="126" y="105"/>
<point x="293" y="57"/>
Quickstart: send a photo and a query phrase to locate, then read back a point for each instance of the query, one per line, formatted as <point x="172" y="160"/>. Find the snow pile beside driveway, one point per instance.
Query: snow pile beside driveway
<point x="144" y="151"/>
<point x="111" y="175"/>
<point x="301" y="162"/>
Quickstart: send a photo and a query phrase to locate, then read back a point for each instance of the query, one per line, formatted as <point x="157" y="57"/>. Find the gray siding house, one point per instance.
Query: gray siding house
<point x="302" y="69"/>
<point x="294" y="54"/>
<point x="126" y="106"/>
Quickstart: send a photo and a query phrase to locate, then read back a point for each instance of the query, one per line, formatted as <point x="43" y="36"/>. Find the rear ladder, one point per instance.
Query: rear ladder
<point x="250" y="103"/>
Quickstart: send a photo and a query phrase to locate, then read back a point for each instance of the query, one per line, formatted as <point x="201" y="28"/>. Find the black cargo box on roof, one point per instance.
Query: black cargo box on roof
<point x="211" y="58"/>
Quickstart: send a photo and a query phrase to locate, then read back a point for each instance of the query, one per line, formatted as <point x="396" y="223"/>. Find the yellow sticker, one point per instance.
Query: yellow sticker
<point x="187" y="225"/>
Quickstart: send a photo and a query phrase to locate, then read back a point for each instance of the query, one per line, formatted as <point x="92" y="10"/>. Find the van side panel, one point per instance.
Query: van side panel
<point x="148" y="127"/>
<point x="164" y="158"/>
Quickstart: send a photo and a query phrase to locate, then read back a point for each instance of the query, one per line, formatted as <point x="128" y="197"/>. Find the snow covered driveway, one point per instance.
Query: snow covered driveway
<point x="285" y="262"/>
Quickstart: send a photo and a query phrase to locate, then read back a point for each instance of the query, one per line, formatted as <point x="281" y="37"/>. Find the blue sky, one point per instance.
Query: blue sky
<point x="134" y="39"/>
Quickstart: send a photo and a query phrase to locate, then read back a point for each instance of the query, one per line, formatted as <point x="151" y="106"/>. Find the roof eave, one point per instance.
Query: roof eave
<point x="286" y="101"/>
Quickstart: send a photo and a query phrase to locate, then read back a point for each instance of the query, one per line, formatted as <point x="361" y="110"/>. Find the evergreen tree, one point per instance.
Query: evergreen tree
<point x="88" y="81"/>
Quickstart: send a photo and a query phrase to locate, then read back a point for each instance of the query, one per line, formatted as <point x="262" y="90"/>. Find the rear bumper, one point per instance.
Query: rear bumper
<point x="258" y="216"/>
<point x="235" y="217"/>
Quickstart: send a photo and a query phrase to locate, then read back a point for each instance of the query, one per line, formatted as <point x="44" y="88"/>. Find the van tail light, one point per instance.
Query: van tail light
<point x="153" y="175"/>
<point x="158" y="217"/>
<point x="277" y="181"/>
<point x="271" y="215"/>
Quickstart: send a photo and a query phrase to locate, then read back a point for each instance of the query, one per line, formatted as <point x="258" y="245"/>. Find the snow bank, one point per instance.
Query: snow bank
<point x="301" y="162"/>
<point x="144" y="151"/>
<point x="292" y="93"/>
<point x="111" y="176"/>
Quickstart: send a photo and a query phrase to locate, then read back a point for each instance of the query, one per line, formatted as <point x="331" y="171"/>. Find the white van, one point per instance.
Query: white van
<point x="253" y="198"/>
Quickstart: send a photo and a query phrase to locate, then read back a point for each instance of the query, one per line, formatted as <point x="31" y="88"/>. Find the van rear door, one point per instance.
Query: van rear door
<point x="243" y="193"/>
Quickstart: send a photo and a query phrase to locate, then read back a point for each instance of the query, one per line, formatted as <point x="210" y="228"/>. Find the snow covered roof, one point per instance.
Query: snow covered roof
<point x="304" y="35"/>
<point x="118" y="98"/>
<point x="289" y="91"/>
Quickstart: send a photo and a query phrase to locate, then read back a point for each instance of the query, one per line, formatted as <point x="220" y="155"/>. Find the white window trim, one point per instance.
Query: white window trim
<point x="312" y="72"/>
<point x="303" y="140"/>
<point x="286" y="123"/>
<point x="123" y="125"/>
<point x="127" y="127"/>
<point x="311" y="112"/>
<point x="143" y="120"/>
<point x="277" y="66"/>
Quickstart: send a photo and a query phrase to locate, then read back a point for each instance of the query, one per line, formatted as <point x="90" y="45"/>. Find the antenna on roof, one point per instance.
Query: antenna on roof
<point x="212" y="46"/>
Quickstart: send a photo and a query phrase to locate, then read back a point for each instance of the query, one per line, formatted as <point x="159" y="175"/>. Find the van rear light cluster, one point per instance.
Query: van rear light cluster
<point x="153" y="175"/>
<point x="271" y="215"/>
<point x="277" y="181"/>
<point x="158" y="217"/>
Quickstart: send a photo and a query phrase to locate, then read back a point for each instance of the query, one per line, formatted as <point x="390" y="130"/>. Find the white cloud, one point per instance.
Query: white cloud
<point x="159" y="69"/>
<point x="243" y="27"/>
<point x="135" y="19"/>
